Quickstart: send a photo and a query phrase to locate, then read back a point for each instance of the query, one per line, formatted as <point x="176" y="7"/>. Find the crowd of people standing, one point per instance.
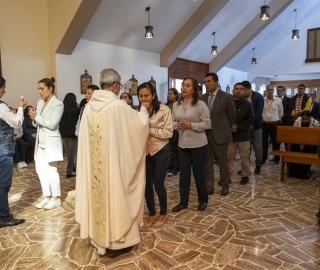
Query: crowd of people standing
<point x="114" y="170"/>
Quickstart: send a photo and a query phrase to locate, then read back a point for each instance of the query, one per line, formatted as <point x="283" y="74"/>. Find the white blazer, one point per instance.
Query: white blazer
<point x="50" y="119"/>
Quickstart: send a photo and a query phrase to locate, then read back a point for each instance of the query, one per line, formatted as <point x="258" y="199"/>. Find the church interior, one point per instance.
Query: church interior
<point x="266" y="224"/>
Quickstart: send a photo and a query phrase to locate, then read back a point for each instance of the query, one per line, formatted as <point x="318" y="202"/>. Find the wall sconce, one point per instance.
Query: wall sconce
<point x="149" y="28"/>
<point x="254" y="59"/>
<point x="264" y="15"/>
<point x="214" y="48"/>
<point x="295" y="31"/>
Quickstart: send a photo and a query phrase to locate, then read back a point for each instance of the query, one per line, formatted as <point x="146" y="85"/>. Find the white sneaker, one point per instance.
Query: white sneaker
<point x="24" y="164"/>
<point x="42" y="203"/>
<point x="20" y="165"/>
<point x="53" y="203"/>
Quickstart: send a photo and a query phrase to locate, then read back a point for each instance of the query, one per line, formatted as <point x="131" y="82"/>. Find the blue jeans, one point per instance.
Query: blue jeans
<point x="156" y="171"/>
<point x="6" y="168"/>
<point x="256" y="140"/>
<point x="195" y="157"/>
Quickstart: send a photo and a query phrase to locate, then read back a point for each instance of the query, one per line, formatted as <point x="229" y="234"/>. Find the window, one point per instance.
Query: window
<point x="313" y="45"/>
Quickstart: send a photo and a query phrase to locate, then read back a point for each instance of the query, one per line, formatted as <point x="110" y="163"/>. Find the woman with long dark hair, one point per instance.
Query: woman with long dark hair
<point x="191" y="118"/>
<point x="173" y="169"/>
<point x="48" y="148"/>
<point x="90" y="89"/>
<point x="158" y="152"/>
<point x="127" y="98"/>
<point x="67" y="128"/>
<point x="29" y="130"/>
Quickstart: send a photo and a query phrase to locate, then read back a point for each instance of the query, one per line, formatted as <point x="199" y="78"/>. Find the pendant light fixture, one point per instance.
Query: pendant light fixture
<point x="254" y="59"/>
<point x="295" y="31"/>
<point x="214" y="48"/>
<point x="149" y="28"/>
<point x="264" y="15"/>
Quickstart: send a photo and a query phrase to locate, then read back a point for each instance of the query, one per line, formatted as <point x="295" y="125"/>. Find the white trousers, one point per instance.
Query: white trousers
<point x="48" y="175"/>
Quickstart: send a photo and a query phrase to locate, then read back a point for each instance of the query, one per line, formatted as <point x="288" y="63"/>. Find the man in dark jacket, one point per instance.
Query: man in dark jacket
<point x="287" y="105"/>
<point x="241" y="133"/>
<point x="315" y="107"/>
<point x="257" y="102"/>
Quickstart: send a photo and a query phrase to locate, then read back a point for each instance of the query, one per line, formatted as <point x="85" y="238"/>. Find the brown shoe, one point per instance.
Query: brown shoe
<point x="151" y="220"/>
<point x="161" y="220"/>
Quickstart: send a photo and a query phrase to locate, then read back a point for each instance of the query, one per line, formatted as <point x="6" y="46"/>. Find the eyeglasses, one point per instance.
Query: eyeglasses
<point x="120" y="85"/>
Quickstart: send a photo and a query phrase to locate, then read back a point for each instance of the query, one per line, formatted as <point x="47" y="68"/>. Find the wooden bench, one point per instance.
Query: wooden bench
<point x="296" y="135"/>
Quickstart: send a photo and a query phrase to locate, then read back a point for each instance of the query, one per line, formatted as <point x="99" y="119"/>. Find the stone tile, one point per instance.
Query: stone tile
<point x="246" y="243"/>
<point x="283" y="256"/>
<point x="295" y="252"/>
<point x="306" y="234"/>
<point x="263" y="260"/>
<point x="219" y="227"/>
<point x="81" y="251"/>
<point x="311" y="248"/>
<point x="245" y="265"/>
<point x="45" y="262"/>
<point x="264" y="232"/>
<point x="263" y="225"/>
<point x="228" y="254"/>
<point x="167" y="247"/>
<point x="271" y="250"/>
<point x="159" y="260"/>
<point x="186" y="257"/>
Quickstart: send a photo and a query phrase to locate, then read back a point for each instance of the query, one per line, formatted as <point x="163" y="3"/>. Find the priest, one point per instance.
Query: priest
<point x="110" y="181"/>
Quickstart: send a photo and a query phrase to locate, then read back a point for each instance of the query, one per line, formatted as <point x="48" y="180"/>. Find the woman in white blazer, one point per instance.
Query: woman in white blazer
<point x="48" y="149"/>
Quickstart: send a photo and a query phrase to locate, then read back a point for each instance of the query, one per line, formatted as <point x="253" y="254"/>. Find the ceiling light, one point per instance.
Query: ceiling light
<point x="254" y="59"/>
<point x="149" y="28"/>
<point x="264" y="12"/>
<point x="295" y="31"/>
<point x="214" y="48"/>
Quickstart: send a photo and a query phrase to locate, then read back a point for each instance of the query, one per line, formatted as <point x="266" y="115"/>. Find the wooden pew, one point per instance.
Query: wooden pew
<point x="296" y="135"/>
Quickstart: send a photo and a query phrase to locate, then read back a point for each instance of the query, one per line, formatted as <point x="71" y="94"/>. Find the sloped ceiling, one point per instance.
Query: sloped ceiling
<point x="183" y="28"/>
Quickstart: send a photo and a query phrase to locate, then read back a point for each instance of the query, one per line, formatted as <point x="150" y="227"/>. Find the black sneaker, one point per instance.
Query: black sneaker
<point x="257" y="170"/>
<point x="244" y="180"/>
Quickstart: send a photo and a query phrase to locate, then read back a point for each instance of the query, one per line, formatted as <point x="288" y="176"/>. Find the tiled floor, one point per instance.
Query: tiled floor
<point x="263" y="225"/>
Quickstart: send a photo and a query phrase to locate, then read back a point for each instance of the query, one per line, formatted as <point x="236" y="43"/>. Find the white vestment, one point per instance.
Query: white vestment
<point x="110" y="181"/>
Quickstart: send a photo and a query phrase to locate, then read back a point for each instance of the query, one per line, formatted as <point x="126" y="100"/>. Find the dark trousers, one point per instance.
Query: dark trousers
<point x="70" y="146"/>
<point x="20" y="149"/>
<point x="269" y="130"/>
<point x="195" y="157"/>
<point x="156" y="170"/>
<point x="220" y="151"/>
<point x="6" y="168"/>
<point x="174" y="164"/>
<point x="30" y="139"/>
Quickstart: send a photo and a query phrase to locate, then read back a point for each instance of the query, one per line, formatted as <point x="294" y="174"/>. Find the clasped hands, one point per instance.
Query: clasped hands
<point x="184" y="124"/>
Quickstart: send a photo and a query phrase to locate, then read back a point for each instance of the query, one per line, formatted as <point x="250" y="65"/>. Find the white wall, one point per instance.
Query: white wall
<point x="95" y="57"/>
<point x="230" y="76"/>
<point x="288" y="56"/>
<point x="259" y="84"/>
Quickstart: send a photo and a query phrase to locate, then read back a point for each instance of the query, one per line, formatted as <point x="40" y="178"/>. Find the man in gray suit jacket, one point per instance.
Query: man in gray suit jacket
<point x="222" y="115"/>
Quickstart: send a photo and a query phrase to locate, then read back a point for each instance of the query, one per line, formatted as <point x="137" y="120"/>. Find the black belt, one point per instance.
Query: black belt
<point x="272" y="122"/>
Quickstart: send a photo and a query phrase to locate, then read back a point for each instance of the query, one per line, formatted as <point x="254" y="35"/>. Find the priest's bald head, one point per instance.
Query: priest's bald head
<point x="110" y="80"/>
